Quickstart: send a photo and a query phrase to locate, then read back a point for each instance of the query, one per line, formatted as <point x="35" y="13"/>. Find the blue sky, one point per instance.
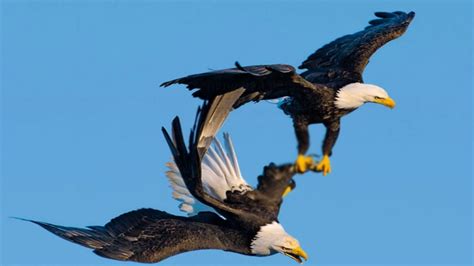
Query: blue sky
<point x="82" y="112"/>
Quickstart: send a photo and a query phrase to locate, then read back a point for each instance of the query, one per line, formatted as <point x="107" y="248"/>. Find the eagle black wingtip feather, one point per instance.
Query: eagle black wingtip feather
<point x="171" y="144"/>
<point x="89" y="238"/>
<point x="178" y="137"/>
<point x="239" y="66"/>
<point x="19" y="218"/>
<point x="383" y="14"/>
<point x="175" y="121"/>
<point x="42" y="224"/>
<point x="176" y="128"/>
<point x="166" y="83"/>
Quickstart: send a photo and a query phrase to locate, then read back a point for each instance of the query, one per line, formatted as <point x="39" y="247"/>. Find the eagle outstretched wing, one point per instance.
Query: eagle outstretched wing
<point x="343" y="60"/>
<point x="261" y="82"/>
<point x="148" y="235"/>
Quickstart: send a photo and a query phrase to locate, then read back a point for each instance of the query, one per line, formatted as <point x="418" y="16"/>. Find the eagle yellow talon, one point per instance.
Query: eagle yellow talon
<point x="324" y="165"/>
<point x="288" y="189"/>
<point x="303" y="163"/>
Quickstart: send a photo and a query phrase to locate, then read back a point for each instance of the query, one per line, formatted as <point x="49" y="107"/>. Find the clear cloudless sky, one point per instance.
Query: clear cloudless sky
<point x="82" y="112"/>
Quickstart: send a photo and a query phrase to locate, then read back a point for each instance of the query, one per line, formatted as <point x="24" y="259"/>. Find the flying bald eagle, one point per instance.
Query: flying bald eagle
<point x="330" y="88"/>
<point x="224" y="211"/>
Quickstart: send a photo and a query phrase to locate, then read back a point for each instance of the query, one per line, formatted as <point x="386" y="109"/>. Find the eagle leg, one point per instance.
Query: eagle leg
<point x="303" y="163"/>
<point x="332" y="132"/>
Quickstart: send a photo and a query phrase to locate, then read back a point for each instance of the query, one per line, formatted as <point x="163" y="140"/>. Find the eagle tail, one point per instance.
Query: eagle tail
<point x="220" y="173"/>
<point x="189" y="204"/>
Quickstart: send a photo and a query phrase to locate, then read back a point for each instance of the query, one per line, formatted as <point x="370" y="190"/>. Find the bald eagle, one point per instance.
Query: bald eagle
<point x="224" y="212"/>
<point x="330" y="88"/>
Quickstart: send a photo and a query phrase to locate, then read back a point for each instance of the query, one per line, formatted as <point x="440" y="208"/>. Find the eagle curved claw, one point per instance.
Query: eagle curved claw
<point x="288" y="189"/>
<point x="303" y="163"/>
<point x="324" y="165"/>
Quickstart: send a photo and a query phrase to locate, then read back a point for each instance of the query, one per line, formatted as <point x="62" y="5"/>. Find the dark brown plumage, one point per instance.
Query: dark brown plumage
<point x="311" y="95"/>
<point x="343" y="60"/>
<point x="148" y="235"/>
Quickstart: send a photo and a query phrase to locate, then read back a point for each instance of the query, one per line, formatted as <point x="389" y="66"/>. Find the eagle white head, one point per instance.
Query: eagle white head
<point x="272" y="238"/>
<point x="356" y="94"/>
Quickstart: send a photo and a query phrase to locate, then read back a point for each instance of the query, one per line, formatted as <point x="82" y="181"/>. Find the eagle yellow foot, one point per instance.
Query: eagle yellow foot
<point x="303" y="163"/>
<point x="324" y="165"/>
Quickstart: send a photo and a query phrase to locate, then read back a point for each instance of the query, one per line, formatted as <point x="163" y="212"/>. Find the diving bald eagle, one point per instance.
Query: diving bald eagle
<point x="331" y="87"/>
<point x="224" y="211"/>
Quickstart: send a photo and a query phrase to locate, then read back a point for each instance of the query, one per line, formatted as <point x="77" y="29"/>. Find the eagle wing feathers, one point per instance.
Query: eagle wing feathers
<point x="148" y="235"/>
<point x="344" y="59"/>
<point x="260" y="82"/>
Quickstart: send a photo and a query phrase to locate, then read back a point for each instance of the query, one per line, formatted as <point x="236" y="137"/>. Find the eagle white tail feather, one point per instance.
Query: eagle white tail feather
<point x="230" y="149"/>
<point x="220" y="173"/>
<point x="181" y="193"/>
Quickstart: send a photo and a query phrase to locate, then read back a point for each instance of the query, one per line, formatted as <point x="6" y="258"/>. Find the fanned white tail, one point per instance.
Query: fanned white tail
<point x="220" y="173"/>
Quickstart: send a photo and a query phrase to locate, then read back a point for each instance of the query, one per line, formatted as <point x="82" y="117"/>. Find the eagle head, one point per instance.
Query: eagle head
<point x="272" y="239"/>
<point x="354" y="95"/>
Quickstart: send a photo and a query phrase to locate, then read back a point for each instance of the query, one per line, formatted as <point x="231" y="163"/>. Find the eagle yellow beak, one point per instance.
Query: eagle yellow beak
<point x="297" y="254"/>
<point x="389" y="102"/>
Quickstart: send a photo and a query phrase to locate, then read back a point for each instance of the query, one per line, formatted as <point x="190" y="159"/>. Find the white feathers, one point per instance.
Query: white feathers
<point x="220" y="173"/>
<point x="271" y="238"/>
<point x="354" y="95"/>
<point x="181" y="193"/>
